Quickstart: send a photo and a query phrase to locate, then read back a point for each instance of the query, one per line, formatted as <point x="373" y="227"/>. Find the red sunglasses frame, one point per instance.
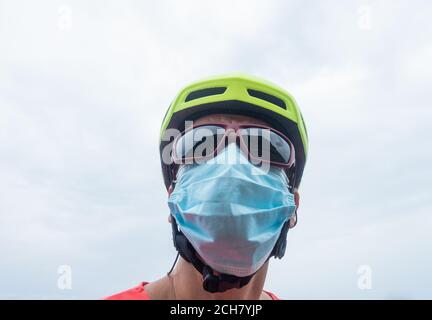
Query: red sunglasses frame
<point x="235" y="128"/>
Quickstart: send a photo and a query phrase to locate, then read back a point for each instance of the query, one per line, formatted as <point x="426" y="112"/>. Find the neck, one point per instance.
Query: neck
<point x="185" y="283"/>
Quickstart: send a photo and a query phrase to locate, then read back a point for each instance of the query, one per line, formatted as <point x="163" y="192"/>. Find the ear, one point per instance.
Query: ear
<point x="296" y="198"/>
<point x="170" y="190"/>
<point x="293" y="219"/>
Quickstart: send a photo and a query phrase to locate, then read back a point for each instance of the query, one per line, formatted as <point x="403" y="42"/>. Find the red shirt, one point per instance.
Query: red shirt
<point x="139" y="293"/>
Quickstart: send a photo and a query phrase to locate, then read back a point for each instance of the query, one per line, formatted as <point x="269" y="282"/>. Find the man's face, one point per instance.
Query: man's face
<point x="239" y="119"/>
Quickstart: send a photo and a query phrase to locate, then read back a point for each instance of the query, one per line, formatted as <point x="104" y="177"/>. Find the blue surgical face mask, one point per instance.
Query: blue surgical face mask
<point x="231" y="213"/>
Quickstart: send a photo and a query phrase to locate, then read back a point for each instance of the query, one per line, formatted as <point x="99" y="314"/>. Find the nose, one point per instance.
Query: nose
<point x="231" y="135"/>
<point x="230" y="131"/>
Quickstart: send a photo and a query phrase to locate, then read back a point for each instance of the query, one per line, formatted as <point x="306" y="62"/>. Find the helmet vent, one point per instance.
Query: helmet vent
<point x="205" y="93"/>
<point x="267" y="97"/>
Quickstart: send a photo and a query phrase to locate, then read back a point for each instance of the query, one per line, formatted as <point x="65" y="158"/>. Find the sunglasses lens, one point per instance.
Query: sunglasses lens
<point x="199" y="142"/>
<point x="280" y="148"/>
<point x="266" y="144"/>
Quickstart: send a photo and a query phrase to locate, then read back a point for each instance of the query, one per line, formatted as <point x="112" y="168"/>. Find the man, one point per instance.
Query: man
<point x="233" y="150"/>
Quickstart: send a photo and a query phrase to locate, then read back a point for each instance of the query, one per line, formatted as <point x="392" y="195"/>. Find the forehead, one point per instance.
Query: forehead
<point x="229" y="118"/>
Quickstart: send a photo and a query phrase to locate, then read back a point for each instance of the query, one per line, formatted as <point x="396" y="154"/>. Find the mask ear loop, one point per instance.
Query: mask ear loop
<point x="295" y="221"/>
<point x="175" y="261"/>
<point x="291" y="181"/>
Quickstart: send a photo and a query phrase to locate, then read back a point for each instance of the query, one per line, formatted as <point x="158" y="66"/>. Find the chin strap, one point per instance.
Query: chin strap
<point x="280" y="245"/>
<point x="221" y="282"/>
<point x="211" y="282"/>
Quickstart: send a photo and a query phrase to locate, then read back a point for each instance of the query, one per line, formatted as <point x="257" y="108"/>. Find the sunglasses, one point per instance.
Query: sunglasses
<point x="260" y="143"/>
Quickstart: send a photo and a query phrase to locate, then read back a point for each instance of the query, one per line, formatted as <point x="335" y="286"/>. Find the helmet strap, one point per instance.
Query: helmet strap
<point x="280" y="246"/>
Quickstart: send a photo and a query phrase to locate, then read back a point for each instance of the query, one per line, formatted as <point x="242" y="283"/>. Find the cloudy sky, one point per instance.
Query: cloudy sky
<point x="84" y="87"/>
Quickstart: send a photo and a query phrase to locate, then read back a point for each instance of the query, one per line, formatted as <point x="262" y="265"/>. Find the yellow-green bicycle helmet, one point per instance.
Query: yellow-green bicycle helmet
<point x="238" y="94"/>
